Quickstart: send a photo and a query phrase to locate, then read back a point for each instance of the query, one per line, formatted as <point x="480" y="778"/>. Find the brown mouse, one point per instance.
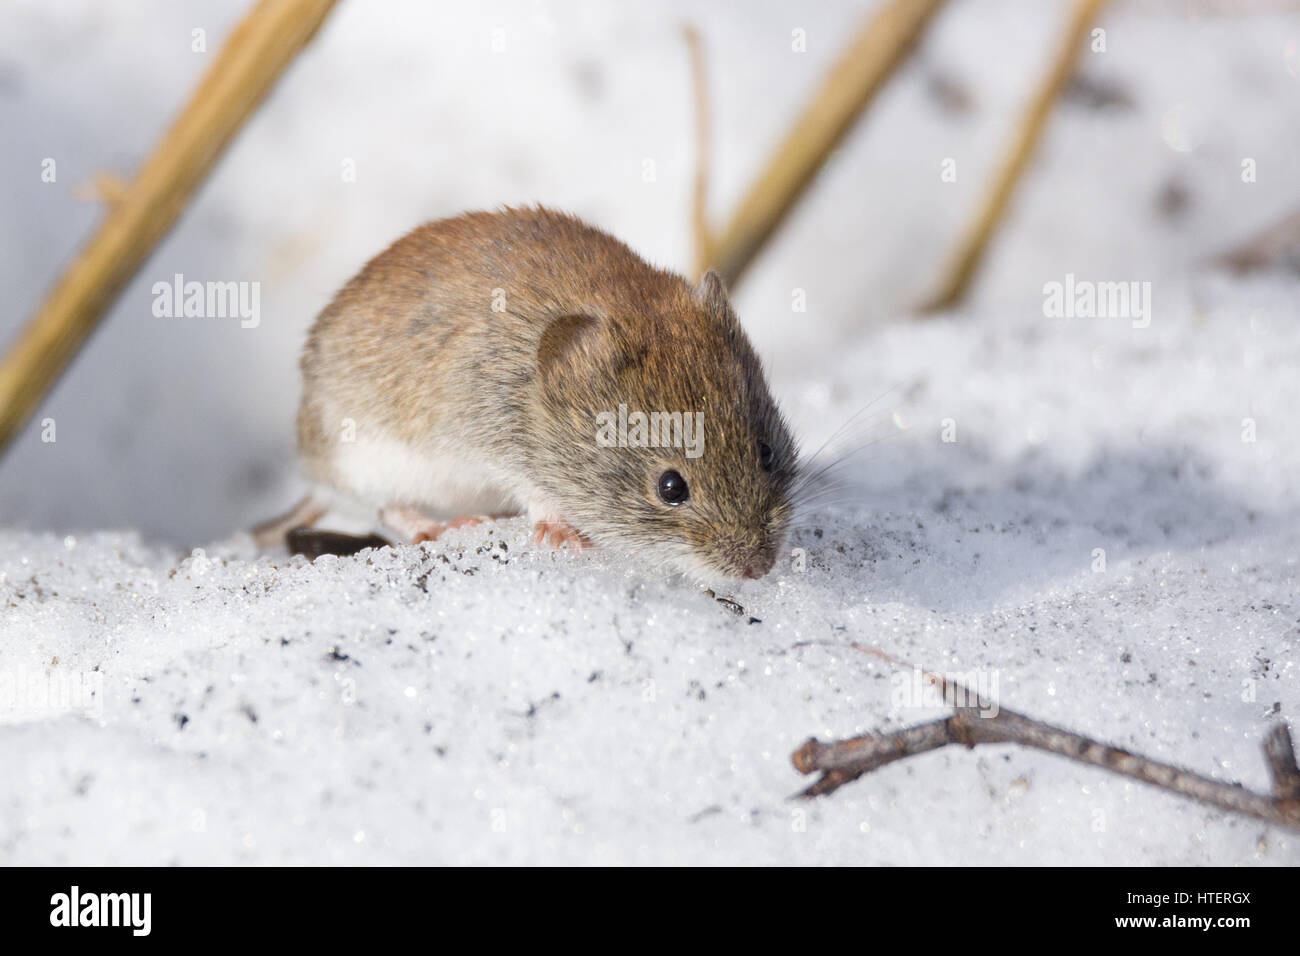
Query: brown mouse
<point x="523" y="361"/>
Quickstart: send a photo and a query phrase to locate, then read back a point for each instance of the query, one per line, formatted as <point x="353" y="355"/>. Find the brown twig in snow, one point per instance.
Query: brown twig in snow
<point x="976" y="722"/>
<point x="1276" y="247"/>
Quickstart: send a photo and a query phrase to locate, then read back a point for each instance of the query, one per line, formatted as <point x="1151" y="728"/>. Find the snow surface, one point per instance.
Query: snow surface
<point x="481" y="700"/>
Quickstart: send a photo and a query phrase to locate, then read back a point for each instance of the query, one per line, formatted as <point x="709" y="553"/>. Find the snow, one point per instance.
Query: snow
<point x="481" y="700"/>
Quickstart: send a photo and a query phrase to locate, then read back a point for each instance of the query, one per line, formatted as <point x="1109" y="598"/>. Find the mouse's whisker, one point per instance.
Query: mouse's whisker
<point x="856" y="415"/>
<point x="877" y="416"/>
<point x="829" y="496"/>
<point x="883" y="424"/>
<point x="809" y="479"/>
<point x="824" y="508"/>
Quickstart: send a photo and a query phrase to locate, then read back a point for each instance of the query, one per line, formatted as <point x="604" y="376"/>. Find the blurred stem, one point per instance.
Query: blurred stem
<point x="263" y="44"/>
<point x="970" y="252"/>
<point x="870" y="59"/>
<point x="703" y="150"/>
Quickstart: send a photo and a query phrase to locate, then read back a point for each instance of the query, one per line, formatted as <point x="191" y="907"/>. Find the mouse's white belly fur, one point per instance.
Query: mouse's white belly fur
<point x="379" y="471"/>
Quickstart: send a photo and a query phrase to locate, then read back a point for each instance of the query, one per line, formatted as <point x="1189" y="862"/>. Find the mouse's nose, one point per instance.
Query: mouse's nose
<point x="759" y="565"/>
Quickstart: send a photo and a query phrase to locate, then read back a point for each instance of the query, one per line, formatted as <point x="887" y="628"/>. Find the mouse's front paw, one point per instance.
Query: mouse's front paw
<point x="558" y="533"/>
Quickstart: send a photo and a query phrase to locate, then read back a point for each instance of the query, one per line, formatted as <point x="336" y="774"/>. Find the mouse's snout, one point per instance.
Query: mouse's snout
<point x="758" y="565"/>
<point x="743" y="557"/>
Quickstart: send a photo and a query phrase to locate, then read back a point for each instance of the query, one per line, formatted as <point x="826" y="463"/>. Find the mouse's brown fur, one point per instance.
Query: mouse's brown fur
<point x="418" y="394"/>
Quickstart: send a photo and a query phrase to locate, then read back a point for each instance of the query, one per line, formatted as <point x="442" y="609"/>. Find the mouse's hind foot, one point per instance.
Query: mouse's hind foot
<point x="305" y="514"/>
<point x="415" y="526"/>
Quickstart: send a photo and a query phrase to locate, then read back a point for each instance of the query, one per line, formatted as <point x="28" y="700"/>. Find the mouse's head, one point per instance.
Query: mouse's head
<point x="680" y="456"/>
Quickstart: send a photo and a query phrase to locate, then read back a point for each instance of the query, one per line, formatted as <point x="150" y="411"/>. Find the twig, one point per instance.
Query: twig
<point x="870" y="59"/>
<point x="259" y="50"/>
<point x="1278" y="246"/>
<point x="975" y="722"/>
<point x="311" y="543"/>
<point x="975" y="242"/>
<point x="1280" y="754"/>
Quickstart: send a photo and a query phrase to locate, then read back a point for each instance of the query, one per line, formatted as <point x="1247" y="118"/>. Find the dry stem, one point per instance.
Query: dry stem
<point x="870" y="59"/>
<point x="975" y="243"/>
<point x="256" y="54"/>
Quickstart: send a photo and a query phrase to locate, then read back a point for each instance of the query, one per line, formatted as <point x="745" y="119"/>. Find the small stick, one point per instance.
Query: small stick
<point x="975" y="243"/>
<point x="311" y="543"/>
<point x="1278" y="245"/>
<point x="853" y="82"/>
<point x="1280" y="754"/>
<point x="258" y="51"/>
<point x="976" y="722"/>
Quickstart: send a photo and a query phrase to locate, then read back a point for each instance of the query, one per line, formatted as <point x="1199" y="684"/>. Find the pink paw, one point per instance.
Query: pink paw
<point x="433" y="530"/>
<point x="559" y="533"/>
<point x="414" y="526"/>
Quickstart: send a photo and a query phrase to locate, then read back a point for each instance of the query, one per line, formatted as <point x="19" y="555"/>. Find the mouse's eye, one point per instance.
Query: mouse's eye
<point x="765" y="455"/>
<point x="672" y="488"/>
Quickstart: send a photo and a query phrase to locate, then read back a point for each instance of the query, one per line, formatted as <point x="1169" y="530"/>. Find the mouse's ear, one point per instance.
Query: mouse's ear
<point x="566" y="342"/>
<point x="712" y="291"/>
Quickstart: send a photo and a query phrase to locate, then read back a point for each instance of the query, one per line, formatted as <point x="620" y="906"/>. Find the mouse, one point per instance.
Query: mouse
<point x="522" y="361"/>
